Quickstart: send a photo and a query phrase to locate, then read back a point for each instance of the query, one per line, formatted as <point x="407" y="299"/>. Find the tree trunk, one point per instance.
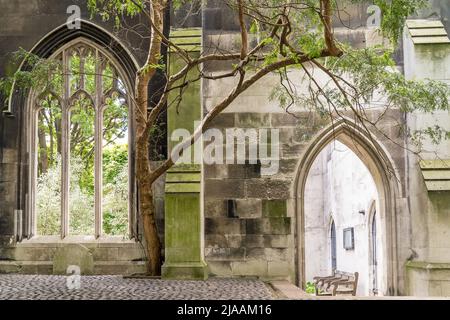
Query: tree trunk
<point x="147" y="208"/>
<point x="153" y="243"/>
<point x="144" y="175"/>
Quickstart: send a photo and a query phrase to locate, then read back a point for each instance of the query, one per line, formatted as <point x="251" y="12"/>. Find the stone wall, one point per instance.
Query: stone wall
<point x="429" y="264"/>
<point x="260" y="238"/>
<point x="246" y="241"/>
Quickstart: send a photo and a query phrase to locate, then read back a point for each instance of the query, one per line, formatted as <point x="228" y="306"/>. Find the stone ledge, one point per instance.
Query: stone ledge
<point x="46" y="267"/>
<point x="89" y="241"/>
<point x="190" y="271"/>
<point x="287" y="290"/>
<point x="428" y="265"/>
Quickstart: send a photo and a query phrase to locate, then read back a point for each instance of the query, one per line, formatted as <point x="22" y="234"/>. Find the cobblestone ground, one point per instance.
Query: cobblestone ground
<point x="38" y="287"/>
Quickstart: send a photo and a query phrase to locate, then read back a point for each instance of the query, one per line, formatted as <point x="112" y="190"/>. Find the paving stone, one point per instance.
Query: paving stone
<point x="54" y="287"/>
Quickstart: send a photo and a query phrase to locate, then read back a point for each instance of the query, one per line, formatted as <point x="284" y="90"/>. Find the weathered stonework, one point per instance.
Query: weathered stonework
<point x="252" y="222"/>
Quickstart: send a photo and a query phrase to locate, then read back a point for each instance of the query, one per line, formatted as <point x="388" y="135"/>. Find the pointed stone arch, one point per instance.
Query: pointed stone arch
<point x="20" y="103"/>
<point x="380" y="165"/>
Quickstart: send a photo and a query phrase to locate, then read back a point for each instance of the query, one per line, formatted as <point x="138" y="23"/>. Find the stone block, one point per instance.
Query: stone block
<point x="252" y="120"/>
<point x="24" y="8"/>
<point x="8" y="172"/>
<point x="216" y="241"/>
<point x="274" y="208"/>
<point x="213" y="19"/>
<point x="130" y="254"/>
<point x="9" y="267"/>
<point x="268" y="188"/>
<point x="220" y="268"/>
<point x="6" y="254"/>
<point x="224" y="226"/>
<point x="277" y="226"/>
<point x="119" y="268"/>
<point x="276" y="241"/>
<point x="275" y="254"/>
<point x="215" y="171"/>
<point x="7" y="191"/>
<point x="284" y="120"/>
<point x="249" y="208"/>
<point x="249" y="268"/>
<point x="34" y="254"/>
<point x="184" y="271"/>
<point x="287" y="135"/>
<point x="241" y="171"/>
<point x="288" y="167"/>
<point x="105" y="253"/>
<point x="182" y="231"/>
<point x="254" y="226"/>
<point x="223" y="120"/>
<point x="224" y="189"/>
<point x="278" y="269"/>
<point x="26" y="267"/>
<point x="232" y="254"/>
<point x="73" y="254"/>
<point x="234" y="240"/>
<point x="215" y="208"/>
<point x="255" y="254"/>
<point x="292" y="150"/>
<point x="253" y="241"/>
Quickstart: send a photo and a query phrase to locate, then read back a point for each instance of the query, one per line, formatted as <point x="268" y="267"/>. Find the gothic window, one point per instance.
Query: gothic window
<point x="333" y="246"/>
<point x="80" y="146"/>
<point x="374" y="259"/>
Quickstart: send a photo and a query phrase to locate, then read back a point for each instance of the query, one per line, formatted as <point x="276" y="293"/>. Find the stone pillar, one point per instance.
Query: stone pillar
<point x="184" y="225"/>
<point x="427" y="56"/>
<point x="183" y="196"/>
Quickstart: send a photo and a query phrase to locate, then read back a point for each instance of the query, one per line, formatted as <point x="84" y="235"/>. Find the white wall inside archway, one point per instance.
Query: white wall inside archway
<point x="338" y="187"/>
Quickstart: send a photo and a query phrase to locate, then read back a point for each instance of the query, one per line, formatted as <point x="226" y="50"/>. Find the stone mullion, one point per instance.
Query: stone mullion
<point x="65" y="149"/>
<point x="82" y="74"/>
<point x="32" y="225"/>
<point x="132" y="212"/>
<point x="98" y="170"/>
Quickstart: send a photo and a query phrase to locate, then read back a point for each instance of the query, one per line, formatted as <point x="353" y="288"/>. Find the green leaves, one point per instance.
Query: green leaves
<point x="373" y="70"/>
<point x="108" y="9"/>
<point x="151" y="66"/>
<point x="39" y="74"/>
<point x="312" y="44"/>
<point x="394" y="14"/>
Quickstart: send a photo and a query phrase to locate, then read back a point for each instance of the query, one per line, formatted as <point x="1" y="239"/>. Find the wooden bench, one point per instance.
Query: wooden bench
<point x="339" y="282"/>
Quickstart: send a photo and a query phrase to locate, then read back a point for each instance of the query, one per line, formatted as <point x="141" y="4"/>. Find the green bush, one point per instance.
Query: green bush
<point x="310" y="288"/>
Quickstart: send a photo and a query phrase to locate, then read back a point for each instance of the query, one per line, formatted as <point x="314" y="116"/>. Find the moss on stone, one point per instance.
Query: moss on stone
<point x="274" y="208"/>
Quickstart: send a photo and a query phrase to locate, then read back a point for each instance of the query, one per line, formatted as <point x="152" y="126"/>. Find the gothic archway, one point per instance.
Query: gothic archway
<point x="22" y="105"/>
<point x="384" y="174"/>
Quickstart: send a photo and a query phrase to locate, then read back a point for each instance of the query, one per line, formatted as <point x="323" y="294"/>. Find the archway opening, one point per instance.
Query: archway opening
<point x="378" y="165"/>
<point x="339" y="225"/>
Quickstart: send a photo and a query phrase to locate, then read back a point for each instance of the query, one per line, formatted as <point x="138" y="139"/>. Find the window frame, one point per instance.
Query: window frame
<point x="99" y="107"/>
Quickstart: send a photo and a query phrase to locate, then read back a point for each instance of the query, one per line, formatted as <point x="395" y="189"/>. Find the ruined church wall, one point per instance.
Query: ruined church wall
<point x="429" y="266"/>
